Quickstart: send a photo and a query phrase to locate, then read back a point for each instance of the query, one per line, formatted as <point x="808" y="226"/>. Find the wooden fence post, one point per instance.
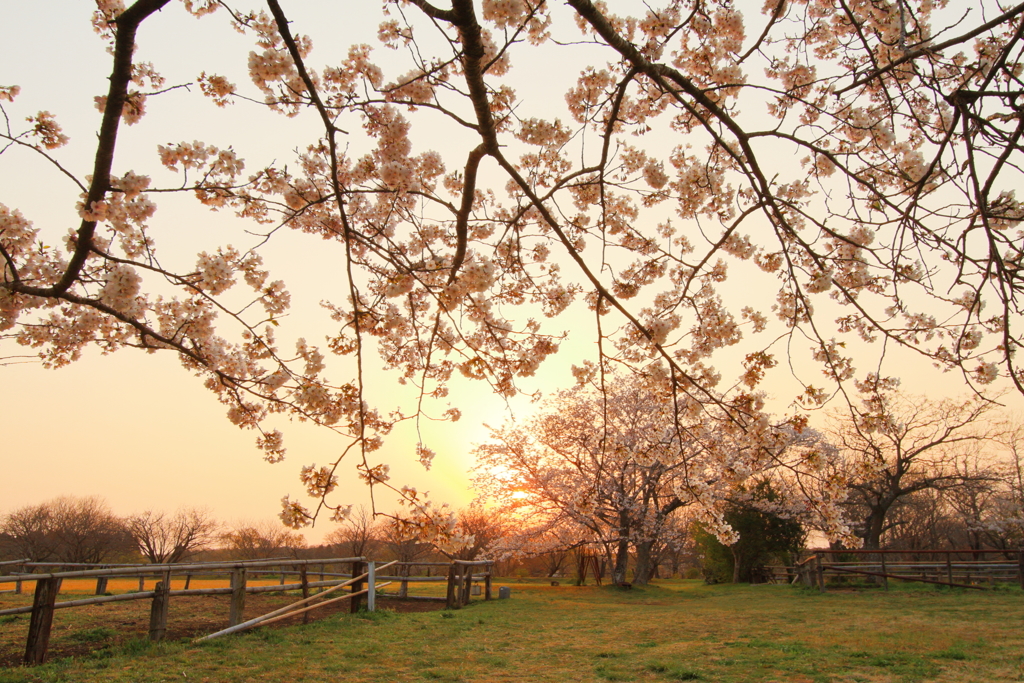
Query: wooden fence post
<point x="101" y="585"/>
<point x="371" y="582"/>
<point x="487" y="581"/>
<point x="42" y="619"/>
<point x="158" y="611"/>
<point x="452" y="583"/>
<point x="820" y="572"/>
<point x="188" y="580"/>
<point x="304" y="578"/>
<point x="237" y="596"/>
<point x="356" y="602"/>
<point x="403" y="589"/>
<point x="949" y="569"/>
<point x="282" y="576"/>
<point x="1020" y="567"/>
<point x="467" y="584"/>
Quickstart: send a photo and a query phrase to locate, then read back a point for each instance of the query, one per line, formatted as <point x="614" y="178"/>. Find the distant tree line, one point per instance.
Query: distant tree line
<point x="73" y="529"/>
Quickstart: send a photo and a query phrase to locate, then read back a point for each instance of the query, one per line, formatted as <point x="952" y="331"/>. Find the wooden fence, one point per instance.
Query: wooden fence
<point x="459" y="576"/>
<point x="361" y="581"/>
<point x="953" y="568"/>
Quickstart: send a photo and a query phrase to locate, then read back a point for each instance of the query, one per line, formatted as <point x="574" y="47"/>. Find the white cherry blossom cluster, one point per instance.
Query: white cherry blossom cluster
<point x="216" y="271"/>
<point x="47" y="130"/>
<point x="293" y="514"/>
<point x="415" y="87"/>
<point x="217" y="88"/>
<point x="505" y="13"/>
<point x="425" y="455"/>
<point x="121" y="290"/>
<point x="105" y="15"/>
<point x="319" y="481"/>
<point x="18" y="239"/>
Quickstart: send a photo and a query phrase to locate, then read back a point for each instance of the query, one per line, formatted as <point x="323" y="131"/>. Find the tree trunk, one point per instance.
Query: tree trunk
<point x="873" y="536"/>
<point x="621" y="560"/>
<point x="644" y="567"/>
<point x="873" y="529"/>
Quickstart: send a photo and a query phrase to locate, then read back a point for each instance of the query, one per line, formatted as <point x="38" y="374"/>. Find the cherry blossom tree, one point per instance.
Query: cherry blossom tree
<point x="854" y="160"/>
<point x="610" y="464"/>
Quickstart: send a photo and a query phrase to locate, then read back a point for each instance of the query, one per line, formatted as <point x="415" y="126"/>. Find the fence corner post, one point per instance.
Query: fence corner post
<point x="237" y="596"/>
<point x="42" y="620"/>
<point x="371" y="587"/>
<point x="158" y="611"/>
<point x="820" y="572"/>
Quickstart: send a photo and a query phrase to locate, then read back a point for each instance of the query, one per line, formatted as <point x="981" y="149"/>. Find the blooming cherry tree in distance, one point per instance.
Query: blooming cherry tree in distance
<point x="854" y="160"/>
<point x="607" y="469"/>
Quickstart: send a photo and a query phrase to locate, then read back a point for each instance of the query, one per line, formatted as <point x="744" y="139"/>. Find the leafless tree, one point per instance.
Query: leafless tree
<point x="896" y="445"/>
<point x="67" y="529"/>
<point x="262" y="540"/>
<point x="25" y="533"/>
<point x="171" y="538"/>
<point x="358" y="535"/>
<point x="400" y="545"/>
<point x="922" y="520"/>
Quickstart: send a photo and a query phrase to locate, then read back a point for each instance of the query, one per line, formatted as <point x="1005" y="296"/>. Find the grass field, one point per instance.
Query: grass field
<point x="675" y="631"/>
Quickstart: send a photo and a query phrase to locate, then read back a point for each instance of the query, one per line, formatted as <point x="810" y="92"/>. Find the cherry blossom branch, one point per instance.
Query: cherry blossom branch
<point x="928" y="50"/>
<point x="127" y="24"/>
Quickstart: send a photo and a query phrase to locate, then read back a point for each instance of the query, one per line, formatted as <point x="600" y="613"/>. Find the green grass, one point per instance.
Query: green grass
<point x="92" y="635"/>
<point x="676" y="631"/>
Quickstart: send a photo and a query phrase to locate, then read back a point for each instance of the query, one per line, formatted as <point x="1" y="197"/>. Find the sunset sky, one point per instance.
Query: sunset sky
<point x="136" y="429"/>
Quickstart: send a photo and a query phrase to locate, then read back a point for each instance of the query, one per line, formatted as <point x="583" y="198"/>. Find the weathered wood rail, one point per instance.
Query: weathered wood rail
<point x="361" y="581"/>
<point x="945" y="568"/>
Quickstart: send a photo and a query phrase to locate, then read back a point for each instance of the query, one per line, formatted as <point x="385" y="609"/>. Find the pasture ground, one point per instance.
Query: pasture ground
<point x="673" y="631"/>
